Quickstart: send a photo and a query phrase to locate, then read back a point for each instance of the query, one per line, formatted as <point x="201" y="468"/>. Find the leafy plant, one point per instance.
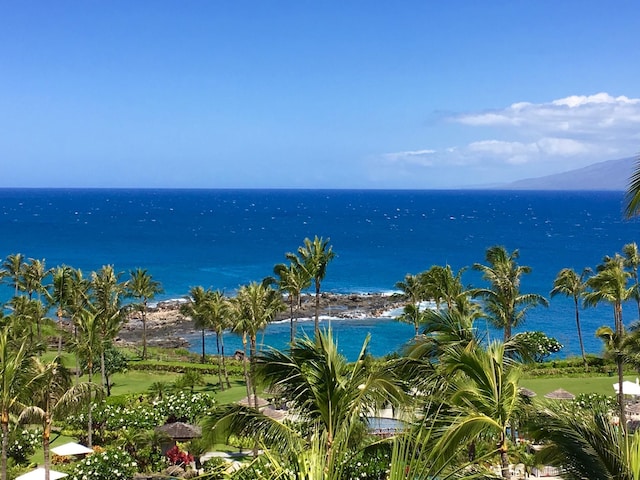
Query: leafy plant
<point x="106" y="465"/>
<point x="179" y="457"/>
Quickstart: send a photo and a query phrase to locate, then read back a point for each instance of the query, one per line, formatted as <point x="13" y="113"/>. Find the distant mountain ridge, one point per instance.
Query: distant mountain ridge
<point x="608" y="175"/>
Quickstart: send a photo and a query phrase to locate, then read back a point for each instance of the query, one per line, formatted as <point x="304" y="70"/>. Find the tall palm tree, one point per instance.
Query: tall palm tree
<point x="255" y="305"/>
<point x="609" y="285"/>
<point x="444" y="286"/>
<point x="632" y="262"/>
<point x="484" y="392"/>
<point x="199" y="310"/>
<point x="570" y="284"/>
<point x="292" y="279"/>
<point x="505" y="304"/>
<point x="54" y="398"/>
<point x="87" y="345"/>
<point x="33" y="276"/>
<point x="25" y="313"/>
<point x="143" y="287"/>
<point x="314" y="256"/>
<point x="15" y="377"/>
<point x="220" y="310"/>
<point x="59" y="295"/>
<point x="78" y="291"/>
<point x="13" y="266"/>
<point x="107" y="293"/>
<point x="414" y="293"/>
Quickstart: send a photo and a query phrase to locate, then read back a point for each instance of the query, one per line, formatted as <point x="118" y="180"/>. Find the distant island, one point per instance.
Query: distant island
<point x="612" y="175"/>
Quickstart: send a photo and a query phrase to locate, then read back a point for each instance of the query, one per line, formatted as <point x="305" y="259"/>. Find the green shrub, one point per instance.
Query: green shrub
<point x="107" y="465"/>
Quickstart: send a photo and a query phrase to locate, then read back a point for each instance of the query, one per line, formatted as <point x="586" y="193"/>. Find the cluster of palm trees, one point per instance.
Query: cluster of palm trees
<point x="460" y="394"/>
<point x="258" y="303"/>
<point x="90" y="312"/>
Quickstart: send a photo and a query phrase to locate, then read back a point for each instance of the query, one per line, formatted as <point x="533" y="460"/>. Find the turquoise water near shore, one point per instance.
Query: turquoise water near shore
<point x="225" y="238"/>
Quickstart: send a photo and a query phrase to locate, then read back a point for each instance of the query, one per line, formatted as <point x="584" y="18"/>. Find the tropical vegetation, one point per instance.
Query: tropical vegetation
<point x="457" y="399"/>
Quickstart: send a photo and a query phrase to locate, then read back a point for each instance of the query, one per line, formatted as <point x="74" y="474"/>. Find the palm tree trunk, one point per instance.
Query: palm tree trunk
<point x="46" y="437"/>
<point x="220" y="382"/>
<point x="254" y="389"/>
<point x="203" y="359"/>
<point x="504" y="457"/>
<point x="317" y="321"/>
<point x="75" y="339"/>
<point x="291" y="327"/>
<point x="103" y="369"/>
<point x="5" y="443"/>
<point x="244" y="365"/>
<point x="90" y="414"/>
<point x="224" y="365"/>
<point x="584" y="358"/>
<point x="144" y="335"/>
<point x="620" y="363"/>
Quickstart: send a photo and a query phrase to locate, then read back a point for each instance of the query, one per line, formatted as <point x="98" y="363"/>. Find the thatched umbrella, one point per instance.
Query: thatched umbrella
<point x="180" y="431"/>
<point x="525" y="392"/>
<point x="249" y="402"/>
<point x="277" y="415"/>
<point x="560" y="394"/>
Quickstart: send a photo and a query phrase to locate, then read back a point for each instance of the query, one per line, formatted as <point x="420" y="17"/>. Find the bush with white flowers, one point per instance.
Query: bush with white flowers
<point x="111" y="464"/>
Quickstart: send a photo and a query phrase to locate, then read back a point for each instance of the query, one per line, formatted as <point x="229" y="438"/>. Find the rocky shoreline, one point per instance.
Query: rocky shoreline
<point x="167" y="327"/>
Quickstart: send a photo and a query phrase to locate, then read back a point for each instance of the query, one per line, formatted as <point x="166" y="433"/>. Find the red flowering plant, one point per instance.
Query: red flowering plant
<point x="178" y="457"/>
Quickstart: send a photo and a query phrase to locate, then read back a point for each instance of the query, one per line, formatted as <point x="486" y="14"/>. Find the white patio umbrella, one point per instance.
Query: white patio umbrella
<point x="629" y="388"/>
<point x="38" y="474"/>
<point x="71" y="448"/>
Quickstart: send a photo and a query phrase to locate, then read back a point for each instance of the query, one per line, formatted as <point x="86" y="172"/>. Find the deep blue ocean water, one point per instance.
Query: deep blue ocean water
<point x="225" y="238"/>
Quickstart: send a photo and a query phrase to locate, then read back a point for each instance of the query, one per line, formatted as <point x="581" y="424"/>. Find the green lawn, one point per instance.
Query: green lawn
<point x="595" y="384"/>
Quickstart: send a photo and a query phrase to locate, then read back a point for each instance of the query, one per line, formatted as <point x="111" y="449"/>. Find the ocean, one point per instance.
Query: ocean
<point x="225" y="238"/>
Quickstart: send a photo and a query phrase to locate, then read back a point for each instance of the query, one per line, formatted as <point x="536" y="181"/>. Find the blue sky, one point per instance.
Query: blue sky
<point x="358" y="94"/>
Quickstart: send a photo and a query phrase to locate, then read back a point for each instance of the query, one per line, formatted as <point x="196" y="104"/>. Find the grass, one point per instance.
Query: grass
<point x="594" y="384"/>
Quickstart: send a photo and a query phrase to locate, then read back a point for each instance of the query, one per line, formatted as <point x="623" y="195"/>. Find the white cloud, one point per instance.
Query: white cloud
<point x="577" y="114"/>
<point x="572" y="131"/>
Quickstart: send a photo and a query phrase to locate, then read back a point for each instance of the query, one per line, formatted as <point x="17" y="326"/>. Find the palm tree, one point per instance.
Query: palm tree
<point x="314" y="257"/>
<point x="87" y="345"/>
<point x="198" y="310"/>
<point x="632" y="261"/>
<point x="13" y="267"/>
<point x="442" y="331"/>
<point x="570" y="284"/>
<point x="106" y="300"/>
<point x="330" y="395"/>
<point x="412" y="315"/>
<point x="505" y="304"/>
<point x="255" y="305"/>
<point x="632" y="195"/>
<point x="444" y="286"/>
<point x="143" y="287"/>
<point x="292" y="279"/>
<point x="15" y="377"/>
<point x="584" y="443"/>
<point x="484" y="393"/>
<point x="54" y="398"/>
<point x="220" y="309"/>
<point x="413" y="292"/>
<point x="78" y="292"/>
<point x="609" y="285"/>
<point x="33" y="276"/>
<point x="25" y="313"/>
<point x="59" y="295"/>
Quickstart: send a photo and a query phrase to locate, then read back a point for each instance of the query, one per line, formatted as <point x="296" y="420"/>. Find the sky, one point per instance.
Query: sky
<point x="326" y="94"/>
